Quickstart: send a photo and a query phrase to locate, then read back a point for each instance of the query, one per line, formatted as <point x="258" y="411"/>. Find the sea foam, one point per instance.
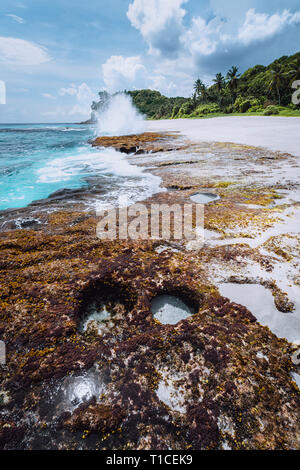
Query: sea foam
<point x="120" y="117"/>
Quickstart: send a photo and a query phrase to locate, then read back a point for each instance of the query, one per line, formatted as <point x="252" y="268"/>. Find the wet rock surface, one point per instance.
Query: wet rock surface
<point x="148" y="142"/>
<point x="215" y="379"/>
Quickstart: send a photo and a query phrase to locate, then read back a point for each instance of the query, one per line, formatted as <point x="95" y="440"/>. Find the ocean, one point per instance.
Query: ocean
<point x="43" y="161"/>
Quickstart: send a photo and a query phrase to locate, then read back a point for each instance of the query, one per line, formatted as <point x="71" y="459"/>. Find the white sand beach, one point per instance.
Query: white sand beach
<point x="273" y="132"/>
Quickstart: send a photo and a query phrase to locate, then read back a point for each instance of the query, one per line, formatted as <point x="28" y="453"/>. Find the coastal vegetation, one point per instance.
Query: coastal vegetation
<point x="260" y="90"/>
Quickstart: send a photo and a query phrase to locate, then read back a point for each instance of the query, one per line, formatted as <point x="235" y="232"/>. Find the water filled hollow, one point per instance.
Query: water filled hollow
<point x="260" y="302"/>
<point x="204" y="198"/>
<point x="296" y="378"/>
<point x="169" y="309"/>
<point x="96" y="317"/>
<point x="104" y="308"/>
<point x="77" y="390"/>
<point x="72" y="391"/>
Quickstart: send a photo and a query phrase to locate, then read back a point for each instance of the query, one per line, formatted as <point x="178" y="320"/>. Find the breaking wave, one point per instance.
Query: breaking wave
<point x="120" y="117"/>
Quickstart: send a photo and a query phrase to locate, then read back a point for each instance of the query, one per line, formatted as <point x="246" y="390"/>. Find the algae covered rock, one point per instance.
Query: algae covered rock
<point x="213" y="380"/>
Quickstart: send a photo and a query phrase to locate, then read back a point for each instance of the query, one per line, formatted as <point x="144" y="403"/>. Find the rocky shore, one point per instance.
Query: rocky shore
<point x="221" y="378"/>
<point x="148" y="142"/>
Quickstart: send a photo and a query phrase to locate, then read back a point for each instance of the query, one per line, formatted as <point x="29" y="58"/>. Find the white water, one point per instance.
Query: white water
<point x="98" y="318"/>
<point x="296" y="378"/>
<point x="107" y="161"/>
<point x="121" y="118"/>
<point x="169" y="309"/>
<point x="74" y="390"/>
<point x="260" y="302"/>
<point x="73" y="168"/>
<point x="134" y="183"/>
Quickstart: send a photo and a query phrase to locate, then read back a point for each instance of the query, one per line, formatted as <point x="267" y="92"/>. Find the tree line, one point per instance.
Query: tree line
<point x="260" y="89"/>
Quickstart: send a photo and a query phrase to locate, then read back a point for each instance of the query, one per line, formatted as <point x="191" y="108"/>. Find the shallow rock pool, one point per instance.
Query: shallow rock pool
<point x="97" y="317"/>
<point x="260" y="302"/>
<point x="204" y="198"/>
<point x="169" y="309"/>
<point x="71" y="391"/>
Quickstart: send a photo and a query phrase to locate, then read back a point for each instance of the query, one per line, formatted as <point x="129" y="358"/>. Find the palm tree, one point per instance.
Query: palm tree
<point x="276" y="81"/>
<point x="194" y="98"/>
<point x="219" y="81"/>
<point x="198" y="86"/>
<point x="220" y="84"/>
<point x="204" y="92"/>
<point x="295" y="70"/>
<point x="233" y="78"/>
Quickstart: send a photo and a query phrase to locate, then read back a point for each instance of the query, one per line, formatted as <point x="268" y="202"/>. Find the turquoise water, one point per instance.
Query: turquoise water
<point x="26" y="153"/>
<point x="38" y="160"/>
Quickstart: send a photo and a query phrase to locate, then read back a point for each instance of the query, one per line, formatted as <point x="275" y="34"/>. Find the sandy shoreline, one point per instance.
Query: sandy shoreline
<point x="275" y="133"/>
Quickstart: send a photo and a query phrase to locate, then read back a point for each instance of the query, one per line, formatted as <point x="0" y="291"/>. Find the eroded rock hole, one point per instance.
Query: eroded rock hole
<point x="204" y="198"/>
<point x="104" y="309"/>
<point x="72" y="391"/>
<point x="170" y="309"/>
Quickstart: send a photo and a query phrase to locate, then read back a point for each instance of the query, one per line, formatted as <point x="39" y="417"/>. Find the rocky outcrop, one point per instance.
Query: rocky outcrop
<point x="141" y="143"/>
<point x="232" y="373"/>
<point x="218" y="379"/>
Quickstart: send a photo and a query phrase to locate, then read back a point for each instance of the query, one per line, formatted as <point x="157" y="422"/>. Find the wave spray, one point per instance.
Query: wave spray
<point x="120" y="117"/>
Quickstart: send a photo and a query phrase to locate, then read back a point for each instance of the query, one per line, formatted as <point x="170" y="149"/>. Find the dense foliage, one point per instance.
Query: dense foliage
<point x="154" y="105"/>
<point x="263" y="90"/>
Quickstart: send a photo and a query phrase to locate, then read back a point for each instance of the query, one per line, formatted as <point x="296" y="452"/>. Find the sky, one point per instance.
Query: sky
<point x="55" y="56"/>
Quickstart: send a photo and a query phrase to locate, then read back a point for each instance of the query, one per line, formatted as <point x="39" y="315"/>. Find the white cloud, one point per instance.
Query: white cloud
<point x="170" y="76"/>
<point x="16" y="18"/>
<point x="203" y="38"/>
<point x="295" y="19"/>
<point x="162" y="84"/>
<point x="149" y="16"/>
<point x="15" y="51"/>
<point x="78" y="106"/>
<point x="85" y="94"/>
<point x="175" y="77"/>
<point x="49" y="96"/>
<point x="201" y="45"/>
<point x="218" y="36"/>
<point x="160" y="22"/>
<point x="121" y="72"/>
<point x="84" y="97"/>
<point x="259" y="26"/>
<point x="72" y="91"/>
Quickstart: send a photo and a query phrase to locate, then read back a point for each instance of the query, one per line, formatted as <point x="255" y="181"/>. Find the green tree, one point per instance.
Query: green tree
<point x="204" y="93"/>
<point x="233" y="79"/>
<point x="198" y="86"/>
<point x="276" y="81"/>
<point x="219" y="81"/>
<point x="294" y="73"/>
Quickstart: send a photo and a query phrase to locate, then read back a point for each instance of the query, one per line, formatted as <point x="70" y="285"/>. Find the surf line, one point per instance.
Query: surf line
<point x="115" y="460"/>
